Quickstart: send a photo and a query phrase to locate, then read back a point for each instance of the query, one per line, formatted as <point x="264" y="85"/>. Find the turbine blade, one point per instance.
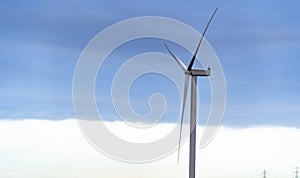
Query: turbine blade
<point x="186" y="84"/>
<point x="195" y="54"/>
<point x="180" y="63"/>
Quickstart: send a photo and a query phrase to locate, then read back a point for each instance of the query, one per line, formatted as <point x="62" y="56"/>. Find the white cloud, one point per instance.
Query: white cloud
<point x="39" y="148"/>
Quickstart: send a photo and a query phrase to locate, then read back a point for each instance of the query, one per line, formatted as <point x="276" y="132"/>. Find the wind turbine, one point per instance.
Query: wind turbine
<point x="194" y="73"/>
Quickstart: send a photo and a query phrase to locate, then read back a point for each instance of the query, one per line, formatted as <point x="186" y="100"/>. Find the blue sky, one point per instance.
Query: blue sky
<point x="257" y="42"/>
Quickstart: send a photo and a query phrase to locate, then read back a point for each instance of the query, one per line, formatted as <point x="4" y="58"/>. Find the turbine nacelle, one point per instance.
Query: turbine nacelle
<point x="196" y="72"/>
<point x="204" y="73"/>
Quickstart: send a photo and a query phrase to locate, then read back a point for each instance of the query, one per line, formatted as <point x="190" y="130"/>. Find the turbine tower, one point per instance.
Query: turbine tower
<point x="194" y="73"/>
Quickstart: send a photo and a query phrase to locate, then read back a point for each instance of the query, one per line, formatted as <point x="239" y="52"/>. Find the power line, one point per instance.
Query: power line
<point x="264" y="174"/>
<point x="296" y="173"/>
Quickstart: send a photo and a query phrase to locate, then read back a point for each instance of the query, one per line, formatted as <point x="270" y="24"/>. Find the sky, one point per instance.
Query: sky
<point x="258" y="46"/>
<point x="256" y="42"/>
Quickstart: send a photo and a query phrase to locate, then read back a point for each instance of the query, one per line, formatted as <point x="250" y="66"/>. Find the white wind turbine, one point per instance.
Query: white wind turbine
<point x="193" y="116"/>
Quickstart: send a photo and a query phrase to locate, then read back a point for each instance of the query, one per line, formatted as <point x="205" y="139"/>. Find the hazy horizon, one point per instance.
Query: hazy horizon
<point x="60" y="150"/>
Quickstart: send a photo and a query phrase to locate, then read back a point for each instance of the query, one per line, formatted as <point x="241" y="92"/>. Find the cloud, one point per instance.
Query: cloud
<point x="40" y="148"/>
